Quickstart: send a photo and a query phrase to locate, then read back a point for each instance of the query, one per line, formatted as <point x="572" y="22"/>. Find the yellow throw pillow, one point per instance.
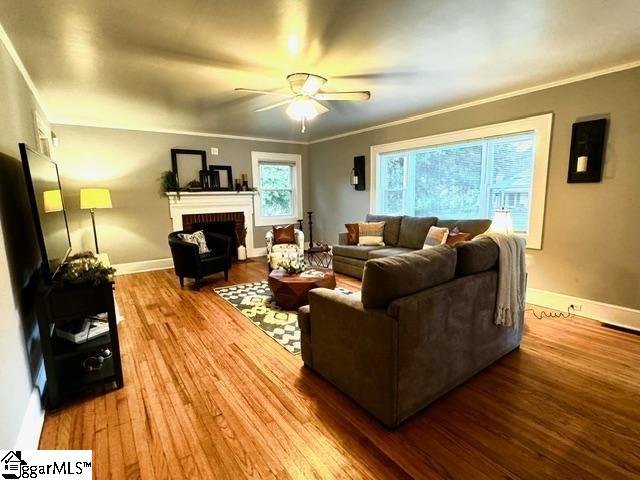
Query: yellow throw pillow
<point x="370" y="234"/>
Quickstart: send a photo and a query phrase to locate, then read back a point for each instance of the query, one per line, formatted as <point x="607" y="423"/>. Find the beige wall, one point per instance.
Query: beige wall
<point x="20" y="359"/>
<point x="591" y="231"/>
<point x="130" y="164"/>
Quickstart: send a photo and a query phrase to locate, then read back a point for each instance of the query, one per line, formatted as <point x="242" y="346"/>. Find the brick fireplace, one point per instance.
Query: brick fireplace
<point x="190" y="208"/>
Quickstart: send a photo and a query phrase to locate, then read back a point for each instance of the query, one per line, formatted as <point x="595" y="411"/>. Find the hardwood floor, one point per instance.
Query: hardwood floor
<point x="209" y="395"/>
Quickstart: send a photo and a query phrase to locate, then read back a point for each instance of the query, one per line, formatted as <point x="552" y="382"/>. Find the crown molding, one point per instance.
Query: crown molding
<point x="176" y="132"/>
<point x="6" y="41"/>
<point x="503" y="96"/>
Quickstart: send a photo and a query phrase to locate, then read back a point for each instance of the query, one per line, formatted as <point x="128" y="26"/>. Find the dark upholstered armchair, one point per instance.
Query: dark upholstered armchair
<point x="188" y="263"/>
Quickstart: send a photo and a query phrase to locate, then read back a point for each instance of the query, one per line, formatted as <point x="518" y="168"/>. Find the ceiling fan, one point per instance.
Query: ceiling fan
<point x="303" y="101"/>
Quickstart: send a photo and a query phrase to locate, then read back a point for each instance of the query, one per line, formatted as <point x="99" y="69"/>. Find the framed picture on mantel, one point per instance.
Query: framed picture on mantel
<point x="217" y="178"/>
<point x="187" y="165"/>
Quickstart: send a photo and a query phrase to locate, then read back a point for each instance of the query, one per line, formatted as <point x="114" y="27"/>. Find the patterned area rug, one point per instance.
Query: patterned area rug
<point x="255" y="301"/>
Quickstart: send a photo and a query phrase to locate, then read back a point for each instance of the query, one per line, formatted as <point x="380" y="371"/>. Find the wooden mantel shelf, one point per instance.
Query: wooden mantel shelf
<point x="205" y="193"/>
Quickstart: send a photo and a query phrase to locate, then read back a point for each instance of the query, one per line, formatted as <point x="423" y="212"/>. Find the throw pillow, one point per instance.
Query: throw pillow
<point x="436" y="236"/>
<point x="371" y="234"/>
<point x="456" y="236"/>
<point x="196" y="238"/>
<point x="353" y="233"/>
<point x="284" y="234"/>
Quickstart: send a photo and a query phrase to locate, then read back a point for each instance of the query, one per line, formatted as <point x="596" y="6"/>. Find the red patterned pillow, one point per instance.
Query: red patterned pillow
<point x="353" y="233"/>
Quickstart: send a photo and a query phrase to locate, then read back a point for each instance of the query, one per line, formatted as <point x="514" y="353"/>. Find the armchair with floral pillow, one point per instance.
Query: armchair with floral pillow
<point x="284" y="243"/>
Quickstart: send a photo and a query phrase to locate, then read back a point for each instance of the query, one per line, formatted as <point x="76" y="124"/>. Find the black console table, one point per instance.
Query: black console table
<point x="63" y="359"/>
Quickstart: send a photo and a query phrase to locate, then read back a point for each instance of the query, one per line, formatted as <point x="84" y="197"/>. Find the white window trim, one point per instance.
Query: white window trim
<point x="288" y="158"/>
<point x="541" y="124"/>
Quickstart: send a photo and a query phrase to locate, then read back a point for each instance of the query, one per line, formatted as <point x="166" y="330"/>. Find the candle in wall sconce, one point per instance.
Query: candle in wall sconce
<point x="581" y="165"/>
<point x="586" y="157"/>
<point x="354" y="177"/>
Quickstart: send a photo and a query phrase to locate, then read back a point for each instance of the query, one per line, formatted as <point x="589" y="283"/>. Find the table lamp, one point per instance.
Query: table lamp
<point x="501" y="222"/>
<point x="92" y="198"/>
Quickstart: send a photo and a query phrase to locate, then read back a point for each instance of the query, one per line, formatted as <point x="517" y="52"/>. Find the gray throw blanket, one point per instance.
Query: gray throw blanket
<point x="512" y="277"/>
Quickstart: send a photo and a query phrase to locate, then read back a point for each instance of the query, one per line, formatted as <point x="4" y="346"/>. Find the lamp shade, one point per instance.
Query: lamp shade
<point x="52" y="201"/>
<point x="95" y="198"/>
<point x="501" y="222"/>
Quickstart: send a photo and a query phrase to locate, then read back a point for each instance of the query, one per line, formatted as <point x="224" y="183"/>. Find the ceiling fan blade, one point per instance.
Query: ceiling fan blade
<point x="320" y="108"/>
<point x="263" y="92"/>
<point x="312" y="85"/>
<point x="275" y="105"/>
<point x="363" y="95"/>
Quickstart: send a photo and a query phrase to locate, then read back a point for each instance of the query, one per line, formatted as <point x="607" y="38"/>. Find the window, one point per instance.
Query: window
<point x="468" y="174"/>
<point x="278" y="178"/>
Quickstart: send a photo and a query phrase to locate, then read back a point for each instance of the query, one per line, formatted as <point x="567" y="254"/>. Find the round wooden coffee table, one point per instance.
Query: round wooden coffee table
<point x="292" y="291"/>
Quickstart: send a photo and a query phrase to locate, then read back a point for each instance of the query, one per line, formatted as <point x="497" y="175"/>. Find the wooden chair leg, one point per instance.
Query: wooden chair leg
<point x="181" y="282"/>
<point x="226" y="275"/>
<point x="198" y="284"/>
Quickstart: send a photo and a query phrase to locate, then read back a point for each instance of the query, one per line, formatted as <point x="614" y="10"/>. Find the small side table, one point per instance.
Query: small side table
<point x="316" y="257"/>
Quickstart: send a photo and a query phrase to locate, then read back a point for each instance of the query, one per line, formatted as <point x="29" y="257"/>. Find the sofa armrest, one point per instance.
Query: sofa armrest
<point x="343" y="238"/>
<point x="344" y="341"/>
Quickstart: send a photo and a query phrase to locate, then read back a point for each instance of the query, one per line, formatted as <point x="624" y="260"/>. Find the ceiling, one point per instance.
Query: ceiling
<point x="170" y="64"/>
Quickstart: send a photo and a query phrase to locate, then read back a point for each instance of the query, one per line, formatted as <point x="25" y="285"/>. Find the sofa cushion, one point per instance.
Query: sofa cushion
<point x="391" y="227"/>
<point x="476" y="256"/>
<point x="353" y="251"/>
<point x="386" y="279"/>
<point x="473" y="227"/>
<point x="389" y="252"/>
<point x="413" y="231"/>
<point x="371" y="234"/>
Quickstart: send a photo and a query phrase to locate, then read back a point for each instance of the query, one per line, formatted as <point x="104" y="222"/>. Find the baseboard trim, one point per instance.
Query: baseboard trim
<point x="258" y="252"/>
<point x="143" y="266"/>
<point x="602" y="312"/>
<point x="32" y="423"/>
<point x="165" y="263"/>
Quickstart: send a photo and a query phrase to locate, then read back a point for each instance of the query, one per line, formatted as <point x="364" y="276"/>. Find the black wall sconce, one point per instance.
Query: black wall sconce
<point x="587" y="151"/>
<point x="357" y="173"/>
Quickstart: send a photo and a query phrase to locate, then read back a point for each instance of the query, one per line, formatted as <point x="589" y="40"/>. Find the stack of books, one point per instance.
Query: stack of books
<point x="84" y="329"/>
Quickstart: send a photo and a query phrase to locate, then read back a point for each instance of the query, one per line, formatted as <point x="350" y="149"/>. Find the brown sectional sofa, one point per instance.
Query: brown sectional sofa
<point x="402" y="234"/>
<point x="422" y="325"/>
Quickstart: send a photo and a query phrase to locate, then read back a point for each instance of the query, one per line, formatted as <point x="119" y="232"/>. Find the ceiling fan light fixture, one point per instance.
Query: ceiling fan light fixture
<point x="303" y="108"/>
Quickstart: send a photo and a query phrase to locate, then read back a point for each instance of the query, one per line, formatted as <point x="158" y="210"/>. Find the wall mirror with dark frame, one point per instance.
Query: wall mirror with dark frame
<point x="187" y="164"/>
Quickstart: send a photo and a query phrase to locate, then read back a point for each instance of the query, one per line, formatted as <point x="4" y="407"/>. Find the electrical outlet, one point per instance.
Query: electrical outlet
<point x="214" y="151"/>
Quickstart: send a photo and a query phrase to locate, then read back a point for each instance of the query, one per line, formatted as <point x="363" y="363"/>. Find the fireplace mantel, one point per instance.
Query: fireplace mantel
<point x="214" y="202"/>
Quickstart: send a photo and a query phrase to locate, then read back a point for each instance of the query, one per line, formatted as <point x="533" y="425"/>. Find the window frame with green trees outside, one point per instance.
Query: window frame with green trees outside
<point x="468" y="174"/>
<point x="278" y="180"/>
